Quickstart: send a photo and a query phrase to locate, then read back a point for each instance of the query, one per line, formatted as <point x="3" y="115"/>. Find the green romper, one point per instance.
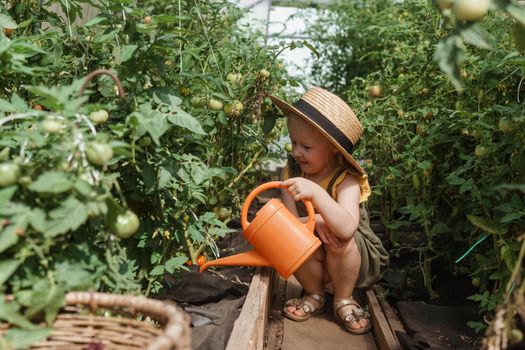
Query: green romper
<point x="374" y="257"/>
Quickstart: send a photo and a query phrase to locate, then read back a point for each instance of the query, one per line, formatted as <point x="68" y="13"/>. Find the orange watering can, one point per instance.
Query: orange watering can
<point x="278" y="237"/>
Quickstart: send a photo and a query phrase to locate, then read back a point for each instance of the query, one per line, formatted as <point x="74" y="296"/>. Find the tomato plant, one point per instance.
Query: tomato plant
<point x="145" y="165"/>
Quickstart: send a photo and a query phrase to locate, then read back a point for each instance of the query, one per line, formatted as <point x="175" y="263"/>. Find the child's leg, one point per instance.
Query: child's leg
<point x="310" y="276"/>
<point x="343" y="265"/>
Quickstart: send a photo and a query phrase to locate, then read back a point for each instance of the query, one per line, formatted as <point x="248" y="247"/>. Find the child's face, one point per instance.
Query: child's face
<point x="312" y="151"/>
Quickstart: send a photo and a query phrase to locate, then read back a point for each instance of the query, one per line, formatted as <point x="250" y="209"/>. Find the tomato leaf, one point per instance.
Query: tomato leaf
<point x="47" y="297"/>
<point x="37" y="220"/>
<point x="22" y="339"/>
<point x="6" y="106"/>
<point x="6" y="194"/>
<point x="19" y="103"/>
<point x="73" y="276"/>
<point x="167" y="96"/>
<point x="486" y="225"/>
<point x="9" y="312"/>
<point x="312" y="48"/>
<point x="175" y="263"/>
<point x="511" y="217"/>
<point x="508" y="256"/>
<point x="185" y="120"/>
<point x="165" y="178"/>
<point x="152" y="122"/>
<point x="449" y="53"/>
<point x="69" y="216"/>
<point x="7" y="268"/>
<point x="95" y="20"/>
<point x="51" y="182"/>
<point x="126" y="53"/>
<point x="195" y="234"/>
<point x="269" y="122"/>
<point x="7" y="22"/>
<point x="157" y="270"/>
<point x="8" y="237"/>
<point x="474" y="34"/>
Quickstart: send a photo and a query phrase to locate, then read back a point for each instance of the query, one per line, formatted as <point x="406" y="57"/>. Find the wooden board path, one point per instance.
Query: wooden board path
<point x="261" y="326"/>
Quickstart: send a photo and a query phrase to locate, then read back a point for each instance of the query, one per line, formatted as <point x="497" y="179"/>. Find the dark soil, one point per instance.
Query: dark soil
<point x="437" y="323"/>
<point x="214" y="298"/>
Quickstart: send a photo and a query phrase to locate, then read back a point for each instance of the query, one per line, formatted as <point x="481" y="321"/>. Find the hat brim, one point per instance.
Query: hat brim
<point x="287" y="109"/>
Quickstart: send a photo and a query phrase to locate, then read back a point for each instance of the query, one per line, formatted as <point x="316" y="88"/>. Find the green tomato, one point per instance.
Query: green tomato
<point x="232" y="77"/>
<point x="519" y="39"/>
<point x="184" y="91"/>
<point x="233" y="109"/>
<point x="416" y="183"/>
<point x="223" y="214"/>
<point x="9" y="174"/>
<point x="99" y="153"/>
<point x="516" y="336"/>
<point x="25" y="180"/>
<point x="506" y="125"/>
<point x="145" y="141"/>
<point x="264" y="74"/>
<point x="197" y="101"/>
<point x="214" y="104"/>
<point x="375" y="91"/>
<point x="288" y="147"/>
<point x="52" y="125"/>
<point x="125" y="225"/>
<point x="475" y="281"/>
<point x="99" y="117"/>
<point x="471" y="10"/>
<point x="480" y="151"/>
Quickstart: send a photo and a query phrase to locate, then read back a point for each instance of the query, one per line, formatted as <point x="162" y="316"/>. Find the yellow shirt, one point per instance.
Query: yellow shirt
<point x="364" y="186"/>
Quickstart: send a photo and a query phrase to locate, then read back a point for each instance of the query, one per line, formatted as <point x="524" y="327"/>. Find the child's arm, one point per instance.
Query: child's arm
<point x="341" y="217"/>
<point x="320" y="226"/>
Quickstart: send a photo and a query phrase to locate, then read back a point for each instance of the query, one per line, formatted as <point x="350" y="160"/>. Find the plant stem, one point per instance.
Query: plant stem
<point x="243" y="171"/>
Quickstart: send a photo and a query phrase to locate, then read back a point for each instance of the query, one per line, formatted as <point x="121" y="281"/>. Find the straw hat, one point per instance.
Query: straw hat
<point x="331" y="116"/>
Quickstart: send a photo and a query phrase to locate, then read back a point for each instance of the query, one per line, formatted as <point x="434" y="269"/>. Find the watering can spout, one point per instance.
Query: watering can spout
<point x="251" y="258"/>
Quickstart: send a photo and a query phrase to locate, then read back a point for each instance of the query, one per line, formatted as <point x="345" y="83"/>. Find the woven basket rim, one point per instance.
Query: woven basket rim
<point x="175" y="333"/>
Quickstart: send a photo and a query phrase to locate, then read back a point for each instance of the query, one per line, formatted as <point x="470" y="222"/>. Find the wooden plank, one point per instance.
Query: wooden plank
<point x="248" y="329"/>
<point x="385" y="338"/>
<point x="275" y="327"/>
<point x="391" y="317"/>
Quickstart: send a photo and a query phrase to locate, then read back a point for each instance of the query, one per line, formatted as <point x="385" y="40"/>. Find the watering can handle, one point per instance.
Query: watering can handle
<point x="310" y="224"/>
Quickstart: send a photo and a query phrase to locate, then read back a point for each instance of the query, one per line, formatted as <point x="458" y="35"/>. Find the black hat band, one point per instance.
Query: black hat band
<point x="326" y="124"/>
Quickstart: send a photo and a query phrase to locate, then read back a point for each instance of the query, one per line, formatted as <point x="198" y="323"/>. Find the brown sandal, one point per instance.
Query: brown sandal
<point x="304" y="305"/>
<point x="347" y="318"/>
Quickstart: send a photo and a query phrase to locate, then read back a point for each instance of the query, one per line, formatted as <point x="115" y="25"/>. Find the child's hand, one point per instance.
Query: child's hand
<point x="326" y="236"/>
<point x="300" y="188"/>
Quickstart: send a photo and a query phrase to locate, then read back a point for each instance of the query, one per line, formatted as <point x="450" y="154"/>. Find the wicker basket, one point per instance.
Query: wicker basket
<point x="82" y="325"/>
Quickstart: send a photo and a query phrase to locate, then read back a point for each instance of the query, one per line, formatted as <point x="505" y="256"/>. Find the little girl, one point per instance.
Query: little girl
<point x="323" y="130"/>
